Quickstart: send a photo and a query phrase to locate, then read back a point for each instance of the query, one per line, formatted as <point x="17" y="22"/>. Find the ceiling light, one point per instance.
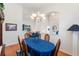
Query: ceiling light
<point x="38" y="16"/>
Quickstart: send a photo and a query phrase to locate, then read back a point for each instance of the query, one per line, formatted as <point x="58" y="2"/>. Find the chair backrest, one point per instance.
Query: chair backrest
<point x="3" y="50"/>
<point x="27" y="34"/>
<point x="57" y="47"/>
<point x="20" y="43"/>
<point x="25" y="49"/>
<point x="47" y="37"/>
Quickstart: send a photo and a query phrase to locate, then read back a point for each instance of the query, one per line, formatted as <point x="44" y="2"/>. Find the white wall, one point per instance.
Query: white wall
<point x="27" y="19"/>
<point x="69" y="15"/>
<point x="13" y="14"/>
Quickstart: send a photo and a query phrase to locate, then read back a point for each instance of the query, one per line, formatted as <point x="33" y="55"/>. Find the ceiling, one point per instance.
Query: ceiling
<point x="38" y="6"/>
<point x="43" y="8"/>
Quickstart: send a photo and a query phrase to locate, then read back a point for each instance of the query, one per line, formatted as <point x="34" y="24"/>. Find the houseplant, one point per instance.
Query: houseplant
<point x="1" y="12"/>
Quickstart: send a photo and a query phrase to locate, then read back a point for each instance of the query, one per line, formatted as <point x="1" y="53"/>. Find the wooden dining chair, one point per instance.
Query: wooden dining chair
<point x="47" y="37"/>
<point x="20" y="45"/>
<point x="57" y="47"/>
<point x="3" y="50"/>
<point x="27" y="34"/>
<point x="25" y="48"/>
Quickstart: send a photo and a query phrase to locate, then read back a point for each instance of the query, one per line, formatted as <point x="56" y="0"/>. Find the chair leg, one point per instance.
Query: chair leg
<point x="20" y="53"/>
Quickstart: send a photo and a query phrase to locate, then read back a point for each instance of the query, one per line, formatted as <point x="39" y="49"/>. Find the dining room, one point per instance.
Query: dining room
<point x="40" y="29"/>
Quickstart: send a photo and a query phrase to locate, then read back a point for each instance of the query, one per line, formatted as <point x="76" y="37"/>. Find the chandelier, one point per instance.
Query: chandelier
<point x="38" y="16"/>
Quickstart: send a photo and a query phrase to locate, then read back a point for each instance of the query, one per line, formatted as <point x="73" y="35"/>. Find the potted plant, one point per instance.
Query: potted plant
<point x="1" y="12"/>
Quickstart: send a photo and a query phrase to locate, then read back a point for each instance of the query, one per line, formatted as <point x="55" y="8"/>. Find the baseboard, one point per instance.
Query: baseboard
<point x="12" y="45"/>
<point x="65" y="52"/>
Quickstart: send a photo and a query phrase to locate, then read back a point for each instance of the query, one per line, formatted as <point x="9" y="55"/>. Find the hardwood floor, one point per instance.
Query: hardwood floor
<point x="11" y="51"/>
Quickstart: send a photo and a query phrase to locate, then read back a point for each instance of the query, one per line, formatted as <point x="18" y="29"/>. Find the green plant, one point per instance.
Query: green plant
<point x="1" y="12"/>
<point x="1" y="6"/>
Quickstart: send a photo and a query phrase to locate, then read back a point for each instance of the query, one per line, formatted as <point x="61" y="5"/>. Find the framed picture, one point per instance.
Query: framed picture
<point x="11" y="27"/>
<point x="54" y="28"/>
<point x="26" y="27"/>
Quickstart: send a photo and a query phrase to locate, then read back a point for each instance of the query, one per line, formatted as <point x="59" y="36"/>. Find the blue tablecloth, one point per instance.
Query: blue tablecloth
<point x="39" y="47"/>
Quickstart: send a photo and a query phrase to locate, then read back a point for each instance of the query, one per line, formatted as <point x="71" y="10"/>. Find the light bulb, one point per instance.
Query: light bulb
<point x="42" y="15"/>
<point x="34" y="15"/>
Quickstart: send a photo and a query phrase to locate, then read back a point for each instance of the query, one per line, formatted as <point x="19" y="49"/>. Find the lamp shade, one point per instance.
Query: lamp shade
<point x="74" y="27"/>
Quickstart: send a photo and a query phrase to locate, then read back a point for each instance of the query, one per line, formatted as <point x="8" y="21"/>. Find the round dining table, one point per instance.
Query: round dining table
<point x="39" y="47"/>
